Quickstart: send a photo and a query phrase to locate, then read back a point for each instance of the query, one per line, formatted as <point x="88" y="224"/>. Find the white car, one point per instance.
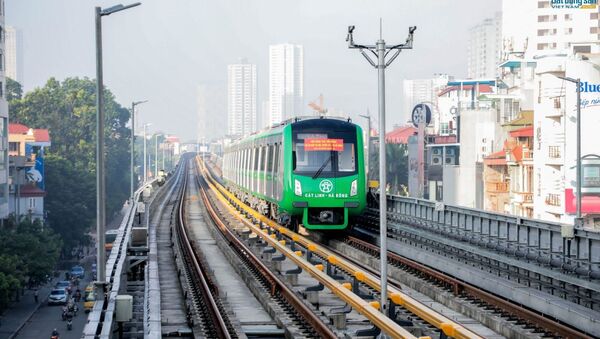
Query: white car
<point x="58" y="296"/>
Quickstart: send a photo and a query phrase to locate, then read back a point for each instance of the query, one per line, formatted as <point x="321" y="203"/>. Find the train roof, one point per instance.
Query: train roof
<point x="278" y="128"/>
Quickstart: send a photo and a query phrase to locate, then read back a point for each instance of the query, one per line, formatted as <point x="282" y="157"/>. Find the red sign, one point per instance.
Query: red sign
<point x="318" y="144"/>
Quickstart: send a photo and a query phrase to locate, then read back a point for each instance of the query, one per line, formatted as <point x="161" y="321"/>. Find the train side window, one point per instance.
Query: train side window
<point x="265" y="158"/>
<point x="270" y="159"/>
<point x="276" y="158"/>
<point x="255" y="159"/>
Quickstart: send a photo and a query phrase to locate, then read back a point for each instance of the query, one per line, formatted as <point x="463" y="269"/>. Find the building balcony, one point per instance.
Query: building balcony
<point x="556" y="110"/>
<point x="555" y="156"/>
<point x="496" y="187"/>
<point x="525" y="198"/>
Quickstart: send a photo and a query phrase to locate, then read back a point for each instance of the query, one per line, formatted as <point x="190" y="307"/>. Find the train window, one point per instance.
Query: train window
<point x="346" y="161"/>
<point x="263" y="158"/>
<point x="276" y="159"/>
<point x="270" y="159"/>
<point x="255" y="158"/>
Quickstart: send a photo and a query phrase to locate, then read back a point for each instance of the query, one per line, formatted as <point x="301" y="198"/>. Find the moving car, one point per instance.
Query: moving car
<point x="77" y="271"/>
<point x="89" y="298"/>
<point x="58" y="296"/>
<point x="64" y="284"/>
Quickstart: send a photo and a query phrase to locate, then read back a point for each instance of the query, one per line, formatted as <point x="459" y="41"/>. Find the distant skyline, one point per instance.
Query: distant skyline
<point x="163" y="50"/>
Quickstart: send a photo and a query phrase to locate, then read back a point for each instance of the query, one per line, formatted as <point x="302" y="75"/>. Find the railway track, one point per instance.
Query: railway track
<point x="515" y="312"/>
<point x="409" y="312"/>
<point x="209" y="313"/>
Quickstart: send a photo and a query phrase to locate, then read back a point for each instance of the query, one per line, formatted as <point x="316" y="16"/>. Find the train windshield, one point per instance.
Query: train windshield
<point x="325" y="154"/>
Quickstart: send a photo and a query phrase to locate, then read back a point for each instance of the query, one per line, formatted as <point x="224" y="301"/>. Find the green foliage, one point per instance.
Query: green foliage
<point x="396" y="167"/>
<point x="68" y="110"/>
<point x="28" y="252"/>
<point x="14" y="90"/>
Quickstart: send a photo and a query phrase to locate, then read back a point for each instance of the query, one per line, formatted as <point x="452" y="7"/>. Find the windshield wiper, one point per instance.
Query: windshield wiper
<point x="320" y="170"/>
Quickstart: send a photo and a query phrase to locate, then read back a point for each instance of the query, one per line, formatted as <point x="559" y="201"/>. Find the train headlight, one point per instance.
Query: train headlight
<point x="353" y="188"/>
<point x="297" y="187"/>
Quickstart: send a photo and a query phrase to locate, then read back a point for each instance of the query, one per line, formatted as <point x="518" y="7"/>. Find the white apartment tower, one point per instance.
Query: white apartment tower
<point x="286" y="82"/>
<point x="14" y="54"/>
<point x="484" y="48"/>
<point x="534" y="28"/>
<point x="241" y="99"/>
<point x="3" y="126"/>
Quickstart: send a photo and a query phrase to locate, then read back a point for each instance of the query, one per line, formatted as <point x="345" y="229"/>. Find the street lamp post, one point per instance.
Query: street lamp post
<point x="146" y="164"/>
<point x="132" y="155"/>
<point x="156" y="155"/>
<point x="381" y="50"/>
<point x="577" y="83"/>
<point x="100" y="182"/>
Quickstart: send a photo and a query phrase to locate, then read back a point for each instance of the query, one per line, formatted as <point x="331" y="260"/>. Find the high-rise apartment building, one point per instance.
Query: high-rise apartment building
<point x="533" y="28"/>
<point x="484" y="48"/>
<point x="286" y="82"/>
<point x="241" y="99"/>
<point x="3" y="126"/>
<point x="13" y="48"/>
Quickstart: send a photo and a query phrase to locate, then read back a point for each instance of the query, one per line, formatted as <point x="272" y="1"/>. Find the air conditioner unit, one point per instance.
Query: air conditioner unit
<point x="437" y="151"/>
<point x="449" y="151"/>
<point x="436" y="160"/>
<point x="450" y="159"/>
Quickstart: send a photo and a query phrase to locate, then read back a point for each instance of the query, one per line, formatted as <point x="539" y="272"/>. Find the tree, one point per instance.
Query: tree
<point x="14" y="90"/>
<point x="68" y="110"/>
<point x="396" y="167"/>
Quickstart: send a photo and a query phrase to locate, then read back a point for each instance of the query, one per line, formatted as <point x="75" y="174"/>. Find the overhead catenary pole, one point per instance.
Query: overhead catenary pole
<point x="381" y="51"/>
<point x="155" y="155"/>
<point x="132" y="151"/>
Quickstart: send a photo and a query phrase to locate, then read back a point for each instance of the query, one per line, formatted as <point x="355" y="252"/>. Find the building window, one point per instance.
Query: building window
<point x="569" y="31"/>
<point x="593" y="30"/>
<point x="543" y="4"/>
<point x="444" y="128"/>
<point x="32" y="203"/>
<point x="594" y="16"/>
<point x="582" y="49"/>
<point x="568" y="17"/>
<point x="13" y="146"/>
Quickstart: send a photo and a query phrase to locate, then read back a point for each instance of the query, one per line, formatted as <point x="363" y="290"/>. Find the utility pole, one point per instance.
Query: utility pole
<point x="146" y="164"/>
<point x="156" y="155"/>
<point x="380" y="50"/>
<point x="132" y="152"/>
<point x="100" y="182"/>
<point x="577" y="82"/>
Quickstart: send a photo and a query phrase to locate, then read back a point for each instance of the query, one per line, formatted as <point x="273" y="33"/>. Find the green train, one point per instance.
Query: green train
<point x="307" y="171"/>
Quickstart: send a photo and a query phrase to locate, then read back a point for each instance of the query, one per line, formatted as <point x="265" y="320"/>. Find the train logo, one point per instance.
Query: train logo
<point x="326" y="186"/>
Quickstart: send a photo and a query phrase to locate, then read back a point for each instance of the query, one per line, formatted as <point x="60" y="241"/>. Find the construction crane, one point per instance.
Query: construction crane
<point x="318" y="107"/>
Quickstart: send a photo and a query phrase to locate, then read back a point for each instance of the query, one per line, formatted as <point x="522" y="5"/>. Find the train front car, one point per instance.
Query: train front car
<point x="327" y="175"/>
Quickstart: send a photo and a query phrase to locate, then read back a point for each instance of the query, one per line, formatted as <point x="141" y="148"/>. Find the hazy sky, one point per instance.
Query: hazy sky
<point x="164" y="49"/>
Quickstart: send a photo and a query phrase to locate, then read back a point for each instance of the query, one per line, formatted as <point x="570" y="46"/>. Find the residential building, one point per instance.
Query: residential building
<point x="555" y="139"/>
<point x="3" y="126"/>
<point x="26" y="172"/>
<point x="455" y="156"/>
<point x="484" y="48"/>
<point x="533" y="28"/>
<point x="286" y="82"/>
<point x="14" y="54"/>
<point x="241" y="99"/>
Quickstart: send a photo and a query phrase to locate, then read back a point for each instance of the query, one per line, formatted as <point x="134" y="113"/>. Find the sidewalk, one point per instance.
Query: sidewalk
<point x="19" y="312"/>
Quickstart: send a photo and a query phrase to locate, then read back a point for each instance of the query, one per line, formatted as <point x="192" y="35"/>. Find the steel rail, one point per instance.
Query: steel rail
<point x="214" y="313"/>
<point x="276" y="285"/>
<point x="449" y="327"/>
<point x="459" y="287"/>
